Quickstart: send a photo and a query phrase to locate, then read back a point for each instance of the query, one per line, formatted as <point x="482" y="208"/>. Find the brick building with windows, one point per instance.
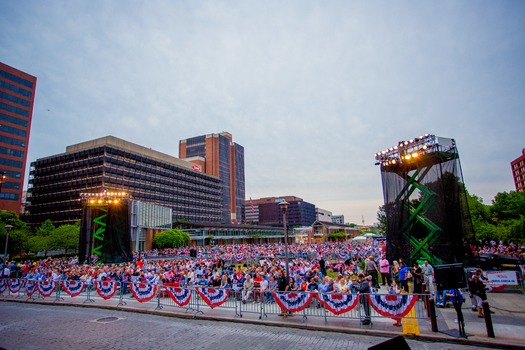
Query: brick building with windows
<point x="518" y="171"/>
<point x="17" y="96"/>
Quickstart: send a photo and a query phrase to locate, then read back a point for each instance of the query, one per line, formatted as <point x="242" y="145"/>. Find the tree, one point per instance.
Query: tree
<point x="65" y="237"/>
<point x="381" y="218"/>
<point x="171" y="238"/>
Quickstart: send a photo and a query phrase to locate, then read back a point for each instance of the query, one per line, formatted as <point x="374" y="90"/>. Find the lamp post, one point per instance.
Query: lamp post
<point x="2" y="178"/>
<point x="284" y="207"/>
<point x="7" y="229"/>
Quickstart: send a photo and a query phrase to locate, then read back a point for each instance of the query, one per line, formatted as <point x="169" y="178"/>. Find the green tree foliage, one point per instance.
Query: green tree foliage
<point x="65" y="237"/>
<point x="337" y="235"/>
<point x="171" y="238"/>
<point x="18" y="233"/>
<point x="381" y="219"/>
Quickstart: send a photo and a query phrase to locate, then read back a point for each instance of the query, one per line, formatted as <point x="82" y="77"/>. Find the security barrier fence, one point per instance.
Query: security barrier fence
<point x="332" y="307"/>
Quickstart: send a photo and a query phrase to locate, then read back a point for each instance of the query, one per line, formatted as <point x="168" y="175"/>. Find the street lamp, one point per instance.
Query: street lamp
<point x="7" y="229"/>
<point x="284" y="207"/>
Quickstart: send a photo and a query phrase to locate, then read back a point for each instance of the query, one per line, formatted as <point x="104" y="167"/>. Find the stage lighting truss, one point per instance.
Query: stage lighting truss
<point x="103" y="198"/>
<point x="406" y="152"/>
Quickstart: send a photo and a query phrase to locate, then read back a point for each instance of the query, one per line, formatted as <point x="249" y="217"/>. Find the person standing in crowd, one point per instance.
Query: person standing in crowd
<point x="428" y="276"/>
<point x="363" y="287"/>
<point x="372" y="270"/>
<point x="403" y="274"/>
<point x="384" y="268"/>
<point x="283" y="287"/>
<point x="394" y="290"/>
<point x="417" y="273"/>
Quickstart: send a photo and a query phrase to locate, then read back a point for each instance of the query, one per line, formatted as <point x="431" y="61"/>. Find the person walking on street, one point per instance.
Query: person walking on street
<point x="363" y="287"/>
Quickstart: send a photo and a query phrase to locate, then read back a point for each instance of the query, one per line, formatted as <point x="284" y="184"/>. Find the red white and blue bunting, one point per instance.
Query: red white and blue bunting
<point x="30" y="287"/>
<point x="143" y="291"/>
<point x="106" y="289"/>
<point x="212" y="296"/>
<point x="293" y="302"/>
<point x="73" y="287"/>
<point x="15" y="285"/>
<point x="181" y="296"/>
<point x="46" y="288"/>
<point x="391" y="305"/>
<point x="343" y="256"/>
<point x="238" y="257"/>
<point x="338" y="303"/>
<point x="3" y="285"/>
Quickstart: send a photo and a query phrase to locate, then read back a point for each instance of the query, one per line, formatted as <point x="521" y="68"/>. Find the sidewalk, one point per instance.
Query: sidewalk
<point x="508" y="320"/>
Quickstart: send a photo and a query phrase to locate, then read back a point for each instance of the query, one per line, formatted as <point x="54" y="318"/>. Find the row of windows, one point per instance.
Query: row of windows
<point x="14" y="131"/>
<point x="16" y="79"/>
<point x="11" y="185"/>
<point x="11" y="163"/>
<point x="9" y="196"/>
<point x="13" y="120"/>
<point x="12" y="141"/>
<point x="15" y="99"/>
<point x="13" y="174"/>
<point x="11" y="152"/>
<point x="14" y="109"/>
<point x="15" y="89"/>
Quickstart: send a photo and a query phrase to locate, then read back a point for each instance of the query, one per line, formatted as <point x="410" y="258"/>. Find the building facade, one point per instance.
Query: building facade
<point x="323" y="215"/>
<point x="17" y="96"/>
<point x="113" y="164"/>
<point x="338" y="219"/>
<point x="300" y="213"/>
<point x="219" y="156"/>
<point x="518" y="171"/>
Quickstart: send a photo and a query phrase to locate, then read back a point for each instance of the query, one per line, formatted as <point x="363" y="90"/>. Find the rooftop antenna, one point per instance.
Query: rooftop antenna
<point x="363" y="219"/>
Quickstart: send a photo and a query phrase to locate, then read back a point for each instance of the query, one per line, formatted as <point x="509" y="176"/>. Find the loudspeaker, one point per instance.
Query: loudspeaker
<point x="193" y="253"/>
<point x="450" y="276"/>
<point x="397" y="343"/>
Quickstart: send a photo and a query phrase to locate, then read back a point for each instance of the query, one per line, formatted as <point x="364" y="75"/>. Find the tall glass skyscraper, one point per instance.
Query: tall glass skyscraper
<point x="17" y="96"/>
<point x="218" y="155"/>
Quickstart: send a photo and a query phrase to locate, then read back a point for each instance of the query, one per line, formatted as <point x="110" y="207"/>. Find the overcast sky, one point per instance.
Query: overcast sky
<point x="311" y="89"/>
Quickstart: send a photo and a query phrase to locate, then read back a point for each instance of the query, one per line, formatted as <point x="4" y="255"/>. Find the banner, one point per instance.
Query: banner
<point x="392" y="305"/>
<point x="212" y="296"/>
<point x="181" y="296"/>
<point x="238" y="257"/>
<point x="46" y="288"/>
<point x="143" y="291"/>
<point x="73" y="287"/>
<point x="3" y="285"/>
<point x="15" y="284"/>
<point x="294" y="301"/>
<point x="338" y="303"/>
<point x="106" y="289"/>
<point x="502" y="277"/>
<point x="30" y="287"/>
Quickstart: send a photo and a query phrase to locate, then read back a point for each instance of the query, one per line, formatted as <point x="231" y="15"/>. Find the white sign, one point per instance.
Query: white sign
<point x="502" y="277"/>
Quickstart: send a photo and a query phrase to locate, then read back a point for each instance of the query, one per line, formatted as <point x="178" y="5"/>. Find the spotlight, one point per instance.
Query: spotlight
<point x="407" y="156"/>
<point x="414" y="155"/>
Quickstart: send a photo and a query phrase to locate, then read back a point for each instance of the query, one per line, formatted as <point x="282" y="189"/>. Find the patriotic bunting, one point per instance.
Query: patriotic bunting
<point x="342" y="255"/>
<point x="213" y="297"/>
<point x="238" y="257"/>
<point x="3" y="285"/>
<point x="106" y="289"/>
<point x="338" y="303"/>
<point x="30" y="287"/>
<point x="72" y="287"/>
<point x="46" y="288"/>
<point x="391" y="305"/>
<point x="293" y="302"/>
<point x="15" y="285"/>
<point x="181" y="296"/>
<point x="143" y="291"/>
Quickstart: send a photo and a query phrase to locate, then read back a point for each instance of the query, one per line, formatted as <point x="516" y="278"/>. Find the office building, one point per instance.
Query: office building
<point x="219" y="156"/>
<point x="338" y="219"/>
<point x="323" y="215"/>
<point x="300" y="213"/>
<point x="17" y="96"/>
<point x="113" y="164"/>
<point x="518" y="171"/>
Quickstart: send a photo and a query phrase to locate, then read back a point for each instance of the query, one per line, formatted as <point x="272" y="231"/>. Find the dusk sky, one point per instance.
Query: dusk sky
<point x="311" y="89"/>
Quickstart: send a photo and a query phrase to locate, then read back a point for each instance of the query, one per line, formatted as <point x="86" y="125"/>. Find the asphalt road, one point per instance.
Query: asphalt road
<point x="34" y="326"/>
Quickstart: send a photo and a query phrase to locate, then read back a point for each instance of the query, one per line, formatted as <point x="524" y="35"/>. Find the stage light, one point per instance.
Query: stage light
<point x="424" y="146"/>
<point x="393" y="161"/>
<point x="407" y="156"/>
<point x="99" y="201"/>
<point x="414" y="155"/>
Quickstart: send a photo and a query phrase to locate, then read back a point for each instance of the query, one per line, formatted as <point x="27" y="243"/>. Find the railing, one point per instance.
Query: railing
<point x="330" y="307"/>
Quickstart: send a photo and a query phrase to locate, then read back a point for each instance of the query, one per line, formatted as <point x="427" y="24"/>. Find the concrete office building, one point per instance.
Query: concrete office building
<point x="518" y="171"/>
<point x="113" y="164"/>
<point x="323" y="215"/>
<point x="219" y="156"/>
<point x="17" y="96"/>
<point x="338" y="219"/>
